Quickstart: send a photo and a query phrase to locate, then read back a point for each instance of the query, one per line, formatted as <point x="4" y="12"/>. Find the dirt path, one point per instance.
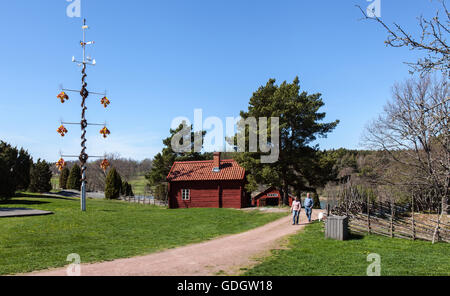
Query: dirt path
<point x="225" y="255"/>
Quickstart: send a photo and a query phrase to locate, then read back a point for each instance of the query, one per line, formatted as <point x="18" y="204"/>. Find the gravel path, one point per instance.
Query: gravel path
<point x="224" y="255"/>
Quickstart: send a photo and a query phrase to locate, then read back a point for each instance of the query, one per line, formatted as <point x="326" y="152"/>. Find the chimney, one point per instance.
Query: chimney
<point x="216" y="167"/>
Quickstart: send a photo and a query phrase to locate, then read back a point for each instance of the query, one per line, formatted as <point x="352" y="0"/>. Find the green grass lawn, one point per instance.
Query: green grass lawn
<point x="108" y="230"/>
<point x="138" y="184"/>
<point x="310" y="253"/>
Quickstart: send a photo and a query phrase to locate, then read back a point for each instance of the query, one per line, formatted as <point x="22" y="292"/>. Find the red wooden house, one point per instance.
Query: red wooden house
<point x="270" y="197"/>
<point x="207" y="184"/>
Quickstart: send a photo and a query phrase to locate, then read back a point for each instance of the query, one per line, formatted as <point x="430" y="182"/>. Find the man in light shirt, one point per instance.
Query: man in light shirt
<point x="296" y="209"/>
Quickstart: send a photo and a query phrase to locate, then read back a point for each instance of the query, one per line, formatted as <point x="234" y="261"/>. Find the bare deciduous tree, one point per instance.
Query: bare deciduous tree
<point x="431" y="39"/>
<point x="414" y="130"/>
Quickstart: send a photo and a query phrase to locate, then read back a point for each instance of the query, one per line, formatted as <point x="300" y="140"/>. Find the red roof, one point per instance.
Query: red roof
<point x="269" y="190"/>
<point x="203" y="171"/>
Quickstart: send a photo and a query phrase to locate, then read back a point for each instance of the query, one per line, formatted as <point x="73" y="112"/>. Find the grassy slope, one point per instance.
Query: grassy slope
<point x="311" y="254"/>
<point x="108" y="230"/>
<point x="138" y="184"/>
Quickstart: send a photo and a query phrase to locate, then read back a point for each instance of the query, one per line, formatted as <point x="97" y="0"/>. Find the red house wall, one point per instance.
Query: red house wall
<point x="257" y="200"/>
<point x="208" y="194"/>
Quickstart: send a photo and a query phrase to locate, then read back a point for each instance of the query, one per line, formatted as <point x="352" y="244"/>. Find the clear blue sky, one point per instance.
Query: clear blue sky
<point x="162" y="59"/>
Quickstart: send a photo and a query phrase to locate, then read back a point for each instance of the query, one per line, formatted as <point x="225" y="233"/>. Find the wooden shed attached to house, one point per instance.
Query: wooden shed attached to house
<point x="270" y="197"/>
<point x="207" y="184"/>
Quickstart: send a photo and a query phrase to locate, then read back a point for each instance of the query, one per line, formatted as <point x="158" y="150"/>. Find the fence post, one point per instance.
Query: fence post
<point x="392" y="217"/>
<point x="413" y="226"/>
<point x="436" y="232"/>
<point x="368" y="215"/>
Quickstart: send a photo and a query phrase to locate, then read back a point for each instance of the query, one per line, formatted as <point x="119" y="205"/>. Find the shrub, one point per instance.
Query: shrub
<point x="160" y="191"/>
<point x="126" y="189"/>
<point x="113" y="185"/>
<point x="129" y="190"/>
<point x="74" y="180"/>
<point x="8" y="180"/>
<point x="40" y="177"/>
<point x="63" y="178"/>
<point x="15" y="168"/>
<point x="123" y="189"/>
<point x="24" y="163"/>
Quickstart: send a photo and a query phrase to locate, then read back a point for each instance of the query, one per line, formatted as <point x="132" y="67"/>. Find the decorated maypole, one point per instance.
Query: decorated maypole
<point x="83" y="157"/>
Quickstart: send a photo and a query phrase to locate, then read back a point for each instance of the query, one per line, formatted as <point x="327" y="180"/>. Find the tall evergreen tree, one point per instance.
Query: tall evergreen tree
<point x="24" y="164"/>
<point x="8" y="175"/>
<point x="63" y="177"/>
<point x="113" y="185"/>
<point x="74" y="181"/>
<point x="164" y="160"/>
<point x="300" y="125"/>
<point x="123" y="189"/>
<point x="126" y="189"/>
<point x="41" y="176"/>
<point x="129" y="191"/>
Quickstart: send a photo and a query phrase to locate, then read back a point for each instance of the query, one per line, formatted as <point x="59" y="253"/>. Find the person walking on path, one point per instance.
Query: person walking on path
<point x="309" y="203"/>
<point x="296" y="209"/>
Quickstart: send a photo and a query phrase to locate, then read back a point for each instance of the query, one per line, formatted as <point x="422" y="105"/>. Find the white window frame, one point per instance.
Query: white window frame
<point x="185" y="194"/>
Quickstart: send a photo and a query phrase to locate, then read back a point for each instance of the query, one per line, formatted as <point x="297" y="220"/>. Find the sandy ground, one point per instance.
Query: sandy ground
<point x="225" y="255"/>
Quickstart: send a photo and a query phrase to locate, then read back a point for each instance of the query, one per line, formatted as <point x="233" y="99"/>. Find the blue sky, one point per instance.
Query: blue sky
<point x="162" y="59"/>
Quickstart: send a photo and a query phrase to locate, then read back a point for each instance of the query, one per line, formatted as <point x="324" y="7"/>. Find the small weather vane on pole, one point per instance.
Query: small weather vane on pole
<point x="62" y="130"/>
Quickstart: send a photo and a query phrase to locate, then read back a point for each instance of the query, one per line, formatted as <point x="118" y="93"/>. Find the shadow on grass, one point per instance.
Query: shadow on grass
<point x="68" y="193"/>
<point x="355" y="236"/>
<point x="23" y="202"/>
<point x="25" y="195"/>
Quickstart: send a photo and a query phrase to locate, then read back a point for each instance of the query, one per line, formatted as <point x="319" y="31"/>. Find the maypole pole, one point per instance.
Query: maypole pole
<point x="83" y="158"/>
<point x="84" y="94"/>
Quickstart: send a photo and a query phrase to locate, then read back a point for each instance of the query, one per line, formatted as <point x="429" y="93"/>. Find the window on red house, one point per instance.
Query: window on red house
<point x="186" y="194"/>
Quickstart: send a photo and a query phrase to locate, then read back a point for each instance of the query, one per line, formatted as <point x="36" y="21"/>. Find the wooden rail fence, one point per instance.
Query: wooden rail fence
<point x="391" y="220"/>
<point x="145" y="200"/>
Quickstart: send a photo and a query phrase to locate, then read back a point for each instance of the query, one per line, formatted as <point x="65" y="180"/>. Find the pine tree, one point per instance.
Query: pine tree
<point x="301" y="123"/>
<point x="40" y="177"/>
<point x="63" y="178"/>
<point x="113" y="185"/>
<point x="130" y="190"/>
<point x="126" y="189"/>
<point x="23" y="167"/>
<point x="8" y="180"/>
<point x="164" y="160"/>
<point x="74" y="180"/>
<point x="123" y="190"/>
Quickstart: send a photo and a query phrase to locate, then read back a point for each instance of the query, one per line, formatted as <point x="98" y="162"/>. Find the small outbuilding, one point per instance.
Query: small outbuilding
<point x="214" y="183"/>
<point x="270" y="197"/>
